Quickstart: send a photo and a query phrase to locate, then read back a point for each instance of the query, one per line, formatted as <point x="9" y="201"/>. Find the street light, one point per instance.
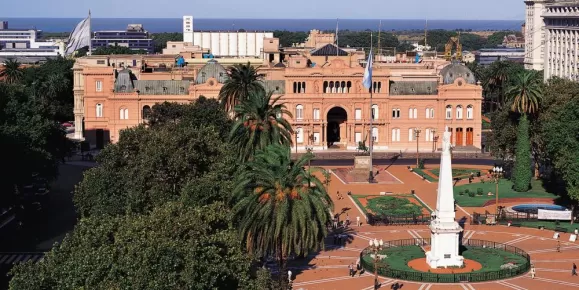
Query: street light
<point x="433" y="133"/>
<point x="417" y="135"/>
<point x="497" y="174"/>
<point x="376" y="246"/>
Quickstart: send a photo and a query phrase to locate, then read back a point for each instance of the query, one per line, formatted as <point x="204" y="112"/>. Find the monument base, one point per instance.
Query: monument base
<point x="361" y="169"/>
<point x="444" y="245"/>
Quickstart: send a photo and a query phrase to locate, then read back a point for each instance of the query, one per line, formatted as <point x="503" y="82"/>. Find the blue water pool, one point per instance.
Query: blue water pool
<point x="534" y="208"/>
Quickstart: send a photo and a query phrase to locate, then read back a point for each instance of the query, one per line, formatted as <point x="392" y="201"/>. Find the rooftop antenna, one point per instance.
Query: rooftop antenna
<point x="426" y="34"/>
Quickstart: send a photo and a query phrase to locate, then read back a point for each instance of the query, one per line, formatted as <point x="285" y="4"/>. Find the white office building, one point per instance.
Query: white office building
<point x="561" y="58"/>
<point x="240" y="44"/>
<point x="534" y="34"/>
<point x="24" y="45"/>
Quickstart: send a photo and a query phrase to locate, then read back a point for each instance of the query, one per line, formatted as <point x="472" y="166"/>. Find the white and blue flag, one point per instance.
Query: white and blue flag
<point x="367" y="81"/>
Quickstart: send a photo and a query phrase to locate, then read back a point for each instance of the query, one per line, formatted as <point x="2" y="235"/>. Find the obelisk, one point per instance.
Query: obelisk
<point x="444" y="229"/>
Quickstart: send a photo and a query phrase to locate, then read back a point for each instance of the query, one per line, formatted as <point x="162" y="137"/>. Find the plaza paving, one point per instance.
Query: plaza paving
<point x="329" y="268"/>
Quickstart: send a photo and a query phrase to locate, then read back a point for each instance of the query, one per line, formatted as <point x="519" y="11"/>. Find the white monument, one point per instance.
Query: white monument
<point x="444" y="229"/>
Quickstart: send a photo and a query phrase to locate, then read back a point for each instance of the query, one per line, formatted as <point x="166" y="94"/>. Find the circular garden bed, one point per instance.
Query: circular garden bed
<point x="393" y="206"/>
<point x="484" y="261"/>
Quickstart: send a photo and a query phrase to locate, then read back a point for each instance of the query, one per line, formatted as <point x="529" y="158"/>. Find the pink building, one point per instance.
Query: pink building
<point x="320" y="86"/>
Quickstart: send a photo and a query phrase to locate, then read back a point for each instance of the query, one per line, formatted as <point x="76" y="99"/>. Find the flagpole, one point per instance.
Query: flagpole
<point x="90" y="33"/>
<point x="337" y="40"/>
<point x="371" y="176"/>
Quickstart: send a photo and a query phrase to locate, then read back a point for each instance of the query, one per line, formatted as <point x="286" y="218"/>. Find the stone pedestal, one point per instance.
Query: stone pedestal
<point x="361" y="167"/>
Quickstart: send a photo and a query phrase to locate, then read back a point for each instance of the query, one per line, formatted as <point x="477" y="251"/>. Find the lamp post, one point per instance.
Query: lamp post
<point x="497" y="174"/>
<point x="417" y="135"/>
<point x="433" y="133"/>
<point x="296" y="141"/>
<point x="376" y="246"/>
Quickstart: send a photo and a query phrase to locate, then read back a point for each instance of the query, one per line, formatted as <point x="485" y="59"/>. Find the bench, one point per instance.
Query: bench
<point x="560" y="230"/>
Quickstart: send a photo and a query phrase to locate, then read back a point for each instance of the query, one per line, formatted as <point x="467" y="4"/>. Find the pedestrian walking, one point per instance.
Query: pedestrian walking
<point x="350" y="270"/>
<point x="558" y="246"/>
<point x="289" y="276"/>
<point x="395" y="286"/>
<point x="359" y="268"/>
<point x="532" y="271"/>
<point x="574" y="270"/>
<point x="347" y="220"/>
<point x="353" y="270"/>
<point x="335" y="222"/>
<point x="358" y="221"/>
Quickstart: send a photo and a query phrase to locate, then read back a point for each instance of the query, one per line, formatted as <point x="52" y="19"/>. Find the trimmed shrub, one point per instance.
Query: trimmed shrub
<point x="522" y="174"/>
<point x="479" y="191"/>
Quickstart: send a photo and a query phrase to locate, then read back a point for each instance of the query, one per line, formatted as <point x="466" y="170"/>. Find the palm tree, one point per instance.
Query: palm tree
<point x="525" y="93"/>
<point x="259" y="123"/>
<point x="281" y="207"/>
<point x="12" y="72"/>
<point x="243" y="79"/>
<point x="498" y="74"/>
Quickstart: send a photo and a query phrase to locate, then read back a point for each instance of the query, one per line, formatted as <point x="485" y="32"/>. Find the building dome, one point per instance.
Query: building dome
<point x="211" y="70"/>
<point x="454" y="71"/>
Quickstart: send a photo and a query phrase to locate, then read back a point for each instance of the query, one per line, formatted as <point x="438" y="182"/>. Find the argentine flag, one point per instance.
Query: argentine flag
<point x="367" y="81"/>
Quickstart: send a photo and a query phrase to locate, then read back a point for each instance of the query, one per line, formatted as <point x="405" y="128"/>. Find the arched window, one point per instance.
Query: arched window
<point x="295" y="87"/>
<point x="326" y="87"/>
<point x="303" y="88"/>
<point x="395" y="113"/>
<point x="412" y="113"/>
<point x="429" y="136"/>
<point x="459" y="112"/>
<point x="99" y="110"/>
<point x="429" y="113"/>
<point x="124" y="113"/>
<point x="299" y="112"/>
<point x="411" y="134"/>
<point x="469" y="112"/>
<point x="395" y="135"/>
<point x="449" y="112"/>
<point x="299" y="135"/>
<point x="343" y="87"/>
<point x="375" y="134"/>
<point x="375" y="112"/>
<point x="348" y="86"/>
<point x="146" y="112"/>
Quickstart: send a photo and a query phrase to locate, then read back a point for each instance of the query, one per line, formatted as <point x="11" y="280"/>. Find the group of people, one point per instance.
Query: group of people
<point x="534" y="272"/>
<point x="355" y="269"/>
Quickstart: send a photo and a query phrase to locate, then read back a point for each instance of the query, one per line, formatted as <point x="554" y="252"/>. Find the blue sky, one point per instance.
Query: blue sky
<point x="371" y="9"/>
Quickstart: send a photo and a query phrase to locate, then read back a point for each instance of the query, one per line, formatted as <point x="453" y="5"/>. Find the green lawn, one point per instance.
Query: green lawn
<point x="490" y="259"/>
<point x="549" y="225"/>
<point x="456" y="172"/>
<point x="390" y="204"/>
<point x="422" y="172"/>
<point x="505" y="191"/>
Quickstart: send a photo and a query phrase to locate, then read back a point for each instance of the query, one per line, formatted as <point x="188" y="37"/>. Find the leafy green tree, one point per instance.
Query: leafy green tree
<point x="162" y="38"/>
<point x="148" y="167"/>
<point x="259" y="123"/>
<point x="173" y="247"/>
<point x="11" y="71"/>
<point x="288" y="38"/>
<point x="525" y="93"/>
<point x="243" y="80"/>
<point x="281" y="208"/>
<point x="117" y="49"/>
<point x="32" y="142"/>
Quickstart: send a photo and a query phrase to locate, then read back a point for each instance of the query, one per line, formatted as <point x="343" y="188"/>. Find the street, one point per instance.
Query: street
<point x="46" y="227"/>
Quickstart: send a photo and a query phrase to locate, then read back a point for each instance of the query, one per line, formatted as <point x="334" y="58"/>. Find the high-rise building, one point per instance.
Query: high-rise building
<point x="534" y="34"/>
<point x="188" y="29"/>
<point x="561" y="57"/>
<point x="25" y="45"/>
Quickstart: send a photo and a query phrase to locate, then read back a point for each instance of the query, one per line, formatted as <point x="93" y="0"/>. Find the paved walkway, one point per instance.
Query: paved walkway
<point x="329" y="268"/>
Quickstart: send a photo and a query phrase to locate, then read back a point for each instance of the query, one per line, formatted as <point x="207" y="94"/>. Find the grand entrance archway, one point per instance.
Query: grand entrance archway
<point x="336" y="130"/>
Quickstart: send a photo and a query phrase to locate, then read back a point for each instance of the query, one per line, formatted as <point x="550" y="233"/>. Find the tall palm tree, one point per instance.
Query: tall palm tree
<point x="11" y="72"/>
<point x="525" y="94"/>
<point x="259" y="123"/>
<point x="243" y="79"/>
<point x="498" y="74"/>
<point x="281" y="207"/>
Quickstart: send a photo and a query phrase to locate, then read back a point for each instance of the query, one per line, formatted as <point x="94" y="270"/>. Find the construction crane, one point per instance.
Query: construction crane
<point x="453" y="41"/>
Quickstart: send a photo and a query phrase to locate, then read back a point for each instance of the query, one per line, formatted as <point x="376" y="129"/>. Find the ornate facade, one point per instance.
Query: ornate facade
<point x="321" y="87"/>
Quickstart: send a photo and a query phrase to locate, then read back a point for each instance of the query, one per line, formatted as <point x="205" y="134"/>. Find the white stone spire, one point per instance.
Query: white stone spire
<point x="445" y="199"/>
<point x="444" y="229"/>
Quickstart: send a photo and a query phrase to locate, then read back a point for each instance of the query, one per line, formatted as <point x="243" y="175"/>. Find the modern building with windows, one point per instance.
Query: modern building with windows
<point x="321" y="87"/>
<point x="561" y="58"/>
<point x="24" y="45"/>
<point x="487" y="56"/>
<point x="534" y="34"/>
<point x="134" y="37"/>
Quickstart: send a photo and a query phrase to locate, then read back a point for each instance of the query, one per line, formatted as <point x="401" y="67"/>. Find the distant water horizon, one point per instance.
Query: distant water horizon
<point x="156" y="25"/>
